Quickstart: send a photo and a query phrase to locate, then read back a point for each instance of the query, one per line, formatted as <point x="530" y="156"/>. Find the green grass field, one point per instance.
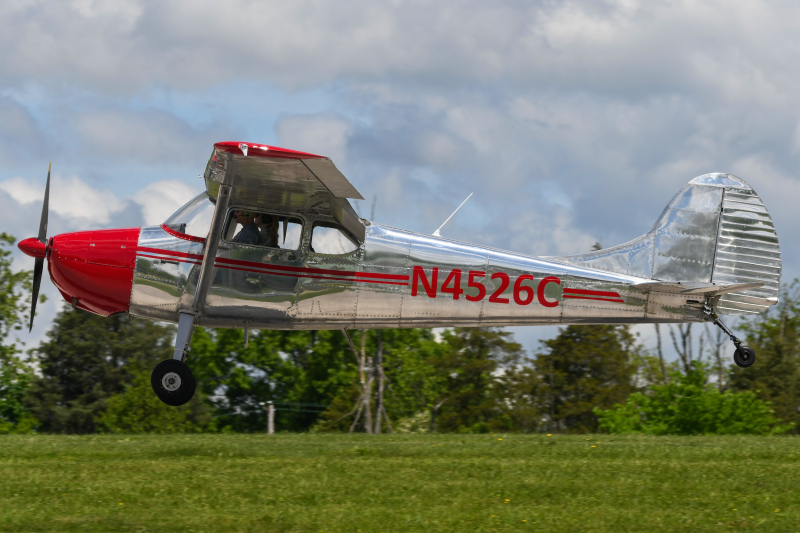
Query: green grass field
<point x="460" y="483"/>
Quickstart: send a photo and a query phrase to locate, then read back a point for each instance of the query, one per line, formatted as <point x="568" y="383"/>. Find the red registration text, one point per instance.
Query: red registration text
<point x="525" y="288"/>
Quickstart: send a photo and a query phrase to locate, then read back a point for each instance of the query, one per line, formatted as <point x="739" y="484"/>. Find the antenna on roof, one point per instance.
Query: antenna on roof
<point x="436" y="233"/>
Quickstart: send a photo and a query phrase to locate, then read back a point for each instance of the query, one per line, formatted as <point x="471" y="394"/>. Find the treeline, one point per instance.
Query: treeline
<point x="93" y="375"/>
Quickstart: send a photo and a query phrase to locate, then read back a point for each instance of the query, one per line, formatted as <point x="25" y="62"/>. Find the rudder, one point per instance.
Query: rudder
<point x="747" y="251"/>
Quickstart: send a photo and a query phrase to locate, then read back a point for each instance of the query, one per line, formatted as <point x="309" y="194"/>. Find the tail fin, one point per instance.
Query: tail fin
<point x="715" y="230"/>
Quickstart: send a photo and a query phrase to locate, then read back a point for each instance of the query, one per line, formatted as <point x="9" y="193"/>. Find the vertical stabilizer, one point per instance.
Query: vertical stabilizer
<point x="715" y="230"/>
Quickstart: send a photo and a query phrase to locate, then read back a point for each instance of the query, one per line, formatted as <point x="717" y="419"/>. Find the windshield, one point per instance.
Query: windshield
<point x="194" y="218"/>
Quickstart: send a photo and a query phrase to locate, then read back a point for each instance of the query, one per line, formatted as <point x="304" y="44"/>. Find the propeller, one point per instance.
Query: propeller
<point x="38" y="264"/>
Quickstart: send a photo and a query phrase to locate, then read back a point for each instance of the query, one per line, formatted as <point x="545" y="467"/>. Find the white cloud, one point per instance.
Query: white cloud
<point x="151" y="137"/>
<point x="160" y="199"/>
<point x="571" y="121"/>
<point x="69" y="197"/>
<point x="123" y="12"/>
<point x="318" y="134"/>
<point x="18" y="130"/>
<point x="22" y="190"/>
<point x="736" y="51"/>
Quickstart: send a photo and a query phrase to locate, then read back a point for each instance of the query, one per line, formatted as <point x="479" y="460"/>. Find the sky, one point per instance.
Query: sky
<point x="573" y="122"/>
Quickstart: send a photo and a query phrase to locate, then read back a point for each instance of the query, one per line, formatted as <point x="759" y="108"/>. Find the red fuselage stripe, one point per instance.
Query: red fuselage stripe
<point x="338" y="275"/>
<point x="170" y="259"/>
<point x="397" y="277"/>
<point x="591" y="293"/>
<point x="277" y="270"/>
<point x="618" y="300"/>
<point x="222" y="261"/>
<point x="169" y="252"/>
<point x="313" y="271"/>
<point x="284" y="268"/>
<point x="297" y="275"/>
<point x="180" y="235"/>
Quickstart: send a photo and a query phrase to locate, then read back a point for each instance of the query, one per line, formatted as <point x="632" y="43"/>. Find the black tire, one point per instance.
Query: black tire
<point x="744" y="356"/>
<point x="173" y="382"/>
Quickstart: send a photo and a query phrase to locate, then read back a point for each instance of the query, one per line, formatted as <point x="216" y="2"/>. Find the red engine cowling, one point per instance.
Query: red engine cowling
<point x="94" y="269"/>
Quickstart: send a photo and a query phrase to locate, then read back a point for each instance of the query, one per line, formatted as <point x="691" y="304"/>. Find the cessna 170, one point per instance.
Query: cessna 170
<point x="273" y="242"/>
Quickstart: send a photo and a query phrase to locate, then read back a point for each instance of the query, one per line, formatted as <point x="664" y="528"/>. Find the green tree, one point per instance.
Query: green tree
<point x="584" y="367"/>
<point x="138" y="410"/>
<point x="413" y="385"/>
<point x="775" y="376"/>
<point x="470" y="399"/>
<point x="523" y="393"/>
<point x="689" y="405"/>
<point x="86" y="360"/>
<point x="15" y="374"/>
<point x="296" y="367"/>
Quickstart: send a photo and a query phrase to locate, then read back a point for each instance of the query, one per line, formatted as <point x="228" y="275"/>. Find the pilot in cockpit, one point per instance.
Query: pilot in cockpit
<point x="268" y="228"/>
<point x="249" y="233"/>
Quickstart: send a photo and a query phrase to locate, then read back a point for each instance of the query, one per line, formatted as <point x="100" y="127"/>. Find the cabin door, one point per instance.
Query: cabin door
<point x="256" y="271"/>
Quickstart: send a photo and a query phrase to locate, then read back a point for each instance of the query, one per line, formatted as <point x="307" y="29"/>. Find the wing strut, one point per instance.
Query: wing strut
<point x="187" y="318"/>
<point x="212" y="243"/>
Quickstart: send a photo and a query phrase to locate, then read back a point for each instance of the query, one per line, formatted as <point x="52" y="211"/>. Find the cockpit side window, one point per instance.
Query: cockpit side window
<point x="331" y="239"/>
<point x="256" y="228"/>
<point x="193" y="219"/>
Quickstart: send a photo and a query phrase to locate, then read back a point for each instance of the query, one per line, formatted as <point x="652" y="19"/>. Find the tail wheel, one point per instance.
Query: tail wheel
<point x="744" y="356"/>
<point x="173" y="382"/>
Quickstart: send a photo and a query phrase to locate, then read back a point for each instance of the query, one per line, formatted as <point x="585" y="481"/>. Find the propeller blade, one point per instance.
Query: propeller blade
<point x="38" y="265"/>
<point x="45" y="207"/>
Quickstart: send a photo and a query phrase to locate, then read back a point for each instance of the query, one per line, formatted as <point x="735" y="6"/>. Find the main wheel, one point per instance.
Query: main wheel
<point x="173" y="382"/>
<point x="744" y="356"/>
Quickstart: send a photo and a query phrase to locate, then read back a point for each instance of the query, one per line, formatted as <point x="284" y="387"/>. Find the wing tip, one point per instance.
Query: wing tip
<point x="263" y="150"/>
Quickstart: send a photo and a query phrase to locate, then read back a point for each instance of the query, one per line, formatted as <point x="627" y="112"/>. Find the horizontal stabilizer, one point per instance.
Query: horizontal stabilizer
<point x="707" y="289"/>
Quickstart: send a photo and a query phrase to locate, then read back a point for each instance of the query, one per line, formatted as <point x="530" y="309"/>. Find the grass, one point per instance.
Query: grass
<point x="459" y="483"/>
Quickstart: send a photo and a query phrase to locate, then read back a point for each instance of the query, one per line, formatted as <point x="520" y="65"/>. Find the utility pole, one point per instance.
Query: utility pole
<point x="269" y="407"/>
<point x="379" y="408"/>
<point x="270" y="418"/>
<point x="366" y="367"/>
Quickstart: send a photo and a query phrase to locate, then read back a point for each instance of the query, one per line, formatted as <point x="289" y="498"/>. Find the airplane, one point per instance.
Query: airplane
<point x="273" y="243"/>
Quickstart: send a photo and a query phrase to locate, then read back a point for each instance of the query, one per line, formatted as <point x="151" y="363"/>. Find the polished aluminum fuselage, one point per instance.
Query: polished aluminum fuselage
<point x="713" y="249"/>
<point x="395" y="279"/>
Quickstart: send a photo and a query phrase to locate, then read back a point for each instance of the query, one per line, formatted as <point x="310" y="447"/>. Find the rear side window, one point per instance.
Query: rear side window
<point x="330" y="239"/>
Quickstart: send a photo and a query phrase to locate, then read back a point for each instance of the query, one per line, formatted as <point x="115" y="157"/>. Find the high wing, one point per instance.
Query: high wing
<point x="272" y="177"/>
<point x="265" y="177"/>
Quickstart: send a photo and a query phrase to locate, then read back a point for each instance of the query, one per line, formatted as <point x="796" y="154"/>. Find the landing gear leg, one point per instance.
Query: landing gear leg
<point x="172" y="380"/>
<point x="744" y="356"/>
